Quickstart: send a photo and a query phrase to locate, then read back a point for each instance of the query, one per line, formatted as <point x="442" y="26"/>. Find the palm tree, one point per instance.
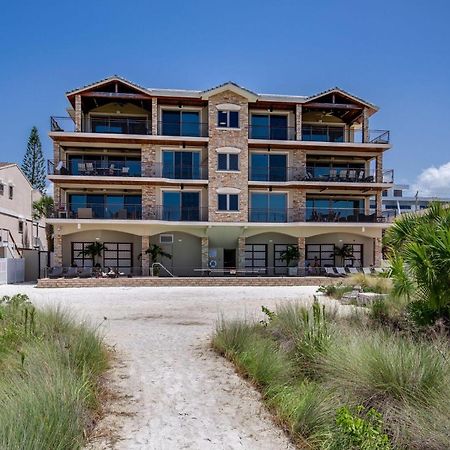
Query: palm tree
<point x="418" y="246"/>
<point x="42" y="209"/>
<point x="344" y="252"/>
<point x="156" y="253"/>
<point x="290" y="255"/>
<point x="93" y="250"/>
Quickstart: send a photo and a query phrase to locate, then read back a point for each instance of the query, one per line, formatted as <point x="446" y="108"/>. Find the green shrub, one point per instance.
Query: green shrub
<point x="336" y="291"/>
<point x="358" y="429"/>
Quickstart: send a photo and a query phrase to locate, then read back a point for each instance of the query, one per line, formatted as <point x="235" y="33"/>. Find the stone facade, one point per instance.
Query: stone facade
<point x="301" y="243"/>
<point x="298" y="121"/>
<point x="148" y="159"/>
<point x="379" y="168"/>
<point x="145" y="257"/>
<point x="57" y="247"/>
<point x="378" y="251"/>
<point x="205" y="252"/>
<point x="154" y="116"/>
<point x="298" y="205"/>
<point x="228" y="137"/>
<point x="241" y="252"/>
<point x="298" y="163"/>
<point x="149" y="202"/>
<point x="78" y="113"/>
<point x="365" y="125"/>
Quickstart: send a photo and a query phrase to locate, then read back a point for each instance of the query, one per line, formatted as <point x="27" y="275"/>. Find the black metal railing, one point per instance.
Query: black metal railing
<point x="322" y="174"/>
<point x="185" y="129"/>
<point x="112" y="168"/>
<point x="271" y="133"/>
<point x="108" y="211"/>
<point x="340" y="215"/>
<point x="330" y="133"/>
<point x="62" y="124"/>
<point x="118" y="125"/>
<point x="170" y="213"/>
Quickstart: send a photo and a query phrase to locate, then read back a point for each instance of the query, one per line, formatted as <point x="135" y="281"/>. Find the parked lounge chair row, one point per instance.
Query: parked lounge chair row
<point x="344" y="271"/>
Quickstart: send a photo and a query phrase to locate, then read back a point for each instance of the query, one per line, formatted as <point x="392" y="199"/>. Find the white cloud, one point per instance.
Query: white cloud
<point x="434" y="182"/>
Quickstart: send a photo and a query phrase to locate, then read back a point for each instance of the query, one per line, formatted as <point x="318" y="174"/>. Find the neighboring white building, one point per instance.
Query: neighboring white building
<point x="399" y="199"/>
<point x="20" y="235"/>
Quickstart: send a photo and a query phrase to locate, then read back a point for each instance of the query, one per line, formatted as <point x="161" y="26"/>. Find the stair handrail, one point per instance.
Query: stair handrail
<point x="9" y="235"/>
<point x="165" y="268"/>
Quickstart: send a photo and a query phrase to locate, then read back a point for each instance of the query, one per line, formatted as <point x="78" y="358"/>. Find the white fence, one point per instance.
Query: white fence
<point x="12" y="270"/>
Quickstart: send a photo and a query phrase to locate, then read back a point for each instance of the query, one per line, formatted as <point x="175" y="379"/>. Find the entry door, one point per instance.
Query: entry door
<point x="229" y="258"/>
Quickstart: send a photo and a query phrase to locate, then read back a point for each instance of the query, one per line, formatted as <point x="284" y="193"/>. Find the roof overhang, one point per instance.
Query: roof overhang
<point x="233" y="87"/>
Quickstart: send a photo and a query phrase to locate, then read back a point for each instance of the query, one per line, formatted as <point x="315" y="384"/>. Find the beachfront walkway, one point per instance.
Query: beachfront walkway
<point x="175" y="393"/>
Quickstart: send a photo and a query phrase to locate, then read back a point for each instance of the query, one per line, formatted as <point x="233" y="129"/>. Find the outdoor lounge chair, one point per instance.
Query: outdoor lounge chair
<point x="125" y="170"/>
<point x="352" y="175"/>
<point x="329" y="272"/>
<point x="353" y="270"/>
<point x="72" y="272"/>
<point x="90" y="168"/>
<point x="343" y="175"/>
<point x="86" y="272"/>
<point x="55" y="272"/>
<point x="341" y="271"/>
<point x="332" y="175"/>
<point x="81" y="168"/>
<point x="367" y="271"/>
<point x="84" y="213"/>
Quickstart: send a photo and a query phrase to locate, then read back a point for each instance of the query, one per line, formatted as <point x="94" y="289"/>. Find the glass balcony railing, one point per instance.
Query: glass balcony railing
<point x="107" y="211"/>
<point x="103" y="124"/>
<point x="185" y="129"/>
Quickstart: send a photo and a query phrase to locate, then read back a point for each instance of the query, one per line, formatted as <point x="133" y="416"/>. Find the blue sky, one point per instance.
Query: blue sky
<point x="395" y="54"/>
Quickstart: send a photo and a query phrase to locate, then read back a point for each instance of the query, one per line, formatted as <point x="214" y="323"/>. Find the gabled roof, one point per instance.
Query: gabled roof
<point x="3" y="165"/>
<point x="338" y="90"/>
<point x="230" y="86"/>
<point x="105" y="81"/>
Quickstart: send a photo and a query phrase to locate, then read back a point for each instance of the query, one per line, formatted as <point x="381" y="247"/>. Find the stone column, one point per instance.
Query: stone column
<point x="379" y="168"/>
<point x="149" y="210"/>
<point x="57" y="247"/>
<point x="148" y="160"/>
<point x="301" y="242"/>
<point x="379" y="204"/>
<point x="298" y="163"/>
<point x="145" y="257"/>
<point x="78" y="112"/>
<point x="377" y="252"/>
<point x="298" y="213"/>
<point x="56" y="158"/>
<point x="205" y="252"/>
<point x="154" y="116"/>
<point x="241" y="252"/>
<point x="365" y="126"/>
<point x="298" y="121"/>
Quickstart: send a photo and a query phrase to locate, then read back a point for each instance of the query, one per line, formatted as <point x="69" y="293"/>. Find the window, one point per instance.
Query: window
<point x="266" y="207"/>
<point x="398" y="192"/>
<point x="11" y="192"/>
<point x="181" y="165"/>
<point x="320" y="255"/>
<point x="228" y="119"/>
<point x="228" y="202"/>
<point x="268" y="167"/>
<point x="357" y="253"/>
<point x="2" y="188"/>
<point x="113" y="206"/>
<point x="20" y="227"/>
<point x="228" y="161"/>
<point x="118" y="255"/>
<point x="256" y="256"/>
<point x="266" y="126"/>
<point x="180" y="123"/>
<point x="79" y="259"/>
<point x="181" y="205"/>
<point x="280" y="266"/>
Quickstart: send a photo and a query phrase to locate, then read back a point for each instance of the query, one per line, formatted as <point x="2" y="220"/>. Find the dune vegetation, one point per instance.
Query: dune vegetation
<point x="50" y="372"/>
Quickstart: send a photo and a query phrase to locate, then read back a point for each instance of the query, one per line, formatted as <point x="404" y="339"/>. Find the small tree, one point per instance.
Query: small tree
<point x="33" y="165"/>
<point x="42" y="209"/>
<point x="290" y="255"/>
<point x="93" y="250"/>
<point x="156" y="253"/>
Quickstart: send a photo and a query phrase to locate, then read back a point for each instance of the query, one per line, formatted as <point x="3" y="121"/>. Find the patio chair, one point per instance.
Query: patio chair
<point x="86" y="272"/>
<point x="329" y="272"/>
<point x="90" y="168"/>
<point x="81" y="168"/>
<point x="367" y="271"/>
<point x="361" y="175"/>
<point x="352" y="175"/>
<point x="353" y="270"/>
<point x="122" y="214"/>
<point x="111" y="169"/>
<point x="125" y="171"/>
<point x="72" y="272"/>
<point x="343" y="175"/>
<point x="55" y="272"/>
<point x="341" y="271"/>
<point x="333" y="174"/>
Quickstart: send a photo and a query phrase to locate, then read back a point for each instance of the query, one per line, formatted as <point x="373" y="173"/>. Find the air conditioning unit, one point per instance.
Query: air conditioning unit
<point x="166" y="238"/>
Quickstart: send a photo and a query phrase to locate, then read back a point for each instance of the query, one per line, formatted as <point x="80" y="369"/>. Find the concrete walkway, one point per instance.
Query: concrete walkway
<point x="173" y="391"/>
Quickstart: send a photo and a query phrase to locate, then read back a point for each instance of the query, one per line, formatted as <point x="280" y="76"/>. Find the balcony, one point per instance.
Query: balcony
<point x="184" y="129"/>
<point x="322" y="174"/>
<point x="170" y="213"/>
<point x="321" y="215"/>
<point x="271" y="133"/>
<point x="112" y="168"/>
<point x="106" y="211"/>
<point x="330" y="133"/>
<point x="103" y="124"/>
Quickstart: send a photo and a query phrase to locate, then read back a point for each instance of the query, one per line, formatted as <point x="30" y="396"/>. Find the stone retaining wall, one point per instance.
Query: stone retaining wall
<point x="179" y="281"/>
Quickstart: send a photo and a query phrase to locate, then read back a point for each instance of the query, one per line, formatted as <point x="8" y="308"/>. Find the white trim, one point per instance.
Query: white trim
<point x="228" y="107"/>
<point x="228" y="150"/>
<point x="228" y="190"/>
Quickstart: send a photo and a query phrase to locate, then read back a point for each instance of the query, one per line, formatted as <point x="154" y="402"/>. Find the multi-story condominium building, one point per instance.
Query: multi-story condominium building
<point x="398" y="200"/>
<point x="223" y="178"/>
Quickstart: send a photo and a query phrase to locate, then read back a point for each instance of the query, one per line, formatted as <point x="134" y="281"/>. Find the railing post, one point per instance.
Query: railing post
<point x="365" y="126"/>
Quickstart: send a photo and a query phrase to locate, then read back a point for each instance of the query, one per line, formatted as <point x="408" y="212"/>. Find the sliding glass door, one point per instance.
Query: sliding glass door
<point x="268" y="207"/>
<point x="269" y="126"/>
<point x="181" y="123"/>
<point x="179" y="205"/>
<point x="268" y="167"/>
<point x="181" y="165"/>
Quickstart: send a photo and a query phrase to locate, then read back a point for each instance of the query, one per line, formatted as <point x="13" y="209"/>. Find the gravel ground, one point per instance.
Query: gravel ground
<point x="173" y="391"/>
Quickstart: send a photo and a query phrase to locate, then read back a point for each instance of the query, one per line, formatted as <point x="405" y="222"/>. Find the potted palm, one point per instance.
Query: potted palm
<point x="156" y="253"/>
<point x="93" y="250"/>
<point x="291" y="255"/>
<point x="344" y="252"/>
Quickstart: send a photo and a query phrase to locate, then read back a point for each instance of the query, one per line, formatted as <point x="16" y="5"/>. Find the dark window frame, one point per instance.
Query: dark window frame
<point x="227" y="202"/>
<point x="79" y="256"/>
<point x="11" y="192"/>
<point x="329" y="254"/>
<point x="250" y="249"/>
<point x="117" y="266"/>
<point x="228" y="119"/>
<point x="228" y="162"/>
